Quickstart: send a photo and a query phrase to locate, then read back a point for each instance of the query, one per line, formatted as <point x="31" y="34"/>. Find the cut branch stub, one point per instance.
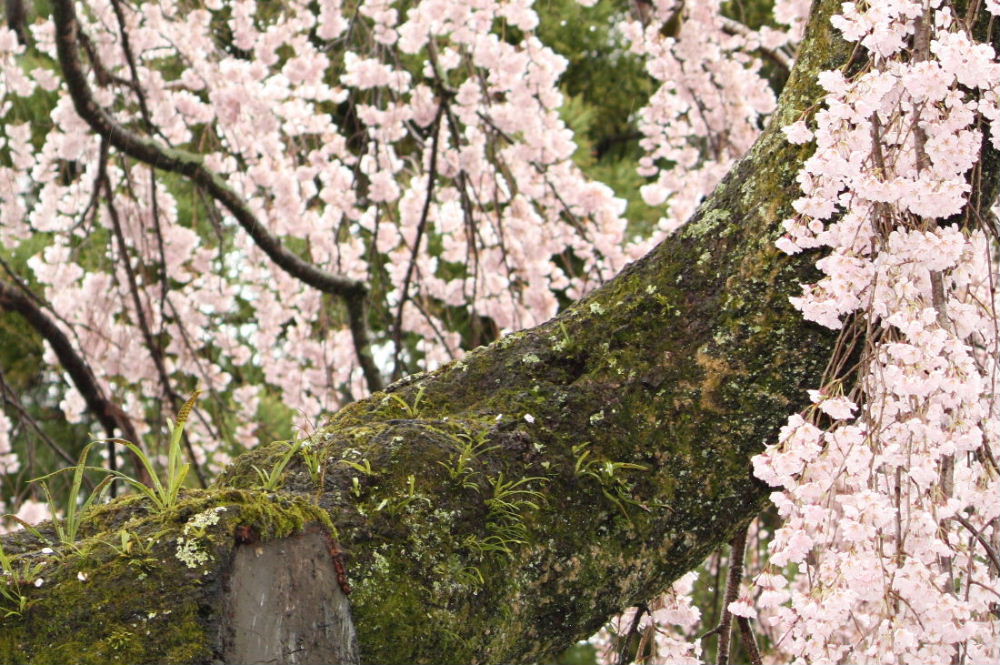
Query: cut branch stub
<point x="283" y="604"/>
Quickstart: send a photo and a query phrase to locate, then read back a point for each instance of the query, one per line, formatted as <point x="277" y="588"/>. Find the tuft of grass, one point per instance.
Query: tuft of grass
<point x="609" y="476"/>
<point x="411" y="410"/>
<point x="68" y="527"/>
<point x="270" y="481"/>
<point x="469" y="449"/>
<point x="10" y="589"/>
<point x="313" y="460"/>
<point x="508" y="504"/>
<point x="163" y="493"/>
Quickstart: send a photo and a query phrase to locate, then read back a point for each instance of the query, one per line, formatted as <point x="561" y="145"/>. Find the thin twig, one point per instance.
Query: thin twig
<point x="431" y="178"/>
<point x="155" y="352"/>
<point x="101" y="73"/>
<point x="11" y="398"/>
<point x="739" y="546"/>
<point x="108" y="414"/>
<point x="992" y="553"/>
<point x="623" y="656"/>
<point x="130" y="59"/>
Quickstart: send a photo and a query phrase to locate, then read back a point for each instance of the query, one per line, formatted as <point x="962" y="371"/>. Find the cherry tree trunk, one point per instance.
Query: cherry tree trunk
<point x="499" y="508"/>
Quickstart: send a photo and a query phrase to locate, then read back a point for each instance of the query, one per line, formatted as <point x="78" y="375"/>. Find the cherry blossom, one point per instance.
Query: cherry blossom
<point x="886" y="490"/>
<point x="425" y="182"/>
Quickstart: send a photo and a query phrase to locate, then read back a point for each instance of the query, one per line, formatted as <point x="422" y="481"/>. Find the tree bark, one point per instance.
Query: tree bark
<point x="505" y="505"/>
<point x="283" y="604"/>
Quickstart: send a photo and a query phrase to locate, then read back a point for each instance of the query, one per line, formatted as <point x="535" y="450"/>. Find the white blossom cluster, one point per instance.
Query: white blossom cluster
<point x="889" y="489"/>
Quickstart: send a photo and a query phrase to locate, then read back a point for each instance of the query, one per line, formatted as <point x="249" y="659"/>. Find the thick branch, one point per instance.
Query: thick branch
<point x="17" y="19"/>
<point x="507" y="504"/>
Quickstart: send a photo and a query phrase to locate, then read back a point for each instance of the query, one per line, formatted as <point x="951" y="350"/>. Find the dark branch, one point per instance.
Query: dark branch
<point x="10" y="397"/>
<point x="749" y="641"/>
<point x="108" y="414"/>
<point x="155" y="352"/>
<point x="17" y="20"/>
<point x="992" y="553"/>
<point x="739" y="546"/>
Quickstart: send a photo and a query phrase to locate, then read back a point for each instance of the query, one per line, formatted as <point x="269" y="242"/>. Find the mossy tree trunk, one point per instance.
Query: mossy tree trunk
<point x="506" y="505"/>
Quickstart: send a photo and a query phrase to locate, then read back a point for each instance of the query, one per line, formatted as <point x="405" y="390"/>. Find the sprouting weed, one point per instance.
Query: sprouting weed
<point x="163" y="493"/>
<point x="364" y="466"/>
<point x="505" y="524"/>
<point x="608" y="474"/>
<point x="469" y="449"/>
<point x="130" y="545"/>
<point x="411" y="410"/>
<point x="313" y="460"/>
<point x="10" y="589"/>
<point x="68" y="527"/>
<point x="272" y="480"/>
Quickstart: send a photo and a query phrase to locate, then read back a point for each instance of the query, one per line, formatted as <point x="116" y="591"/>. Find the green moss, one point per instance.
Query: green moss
<point x="102" y="602"/>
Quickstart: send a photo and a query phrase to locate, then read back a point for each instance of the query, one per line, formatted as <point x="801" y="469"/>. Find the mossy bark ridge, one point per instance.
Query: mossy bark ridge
<point x="505" y="505"/>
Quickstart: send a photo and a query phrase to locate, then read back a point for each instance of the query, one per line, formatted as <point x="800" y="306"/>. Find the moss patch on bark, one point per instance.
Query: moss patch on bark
<point x="138" y="587"/>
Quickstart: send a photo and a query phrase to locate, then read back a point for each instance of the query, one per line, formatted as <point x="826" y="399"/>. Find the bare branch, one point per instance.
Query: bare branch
<point x="17" y="20"/>
<point x="431" y="178"/>
<point x="10" y="397"/>
<point x="749" y="641"/>
<point x="992" y="553"/>
<point x="155" y="352"/>
<point x="108" y="414"/>
<point x="130" y="59"/>
<point x="739" y="546"/>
